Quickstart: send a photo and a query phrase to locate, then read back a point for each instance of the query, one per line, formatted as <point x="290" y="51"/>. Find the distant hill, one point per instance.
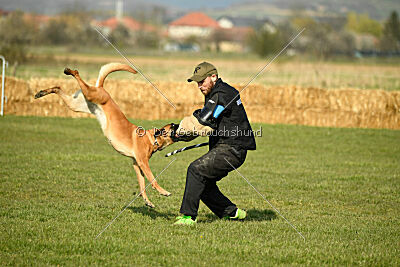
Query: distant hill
<point x="274" y="9"/>
<point x="280" y="9"/>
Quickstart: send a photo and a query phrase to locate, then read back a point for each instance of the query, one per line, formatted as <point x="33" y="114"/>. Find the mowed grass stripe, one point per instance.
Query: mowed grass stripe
<point x="61" y="183"/>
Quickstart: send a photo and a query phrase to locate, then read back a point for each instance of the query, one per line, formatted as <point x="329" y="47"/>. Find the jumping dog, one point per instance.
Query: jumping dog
<point x="126" y="138"/>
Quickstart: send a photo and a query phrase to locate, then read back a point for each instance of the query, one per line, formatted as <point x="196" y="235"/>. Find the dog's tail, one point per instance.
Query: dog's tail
<point x="111" y="67"/>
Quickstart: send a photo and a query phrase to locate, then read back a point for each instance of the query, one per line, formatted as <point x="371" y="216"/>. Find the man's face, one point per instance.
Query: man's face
<point x="206" y="85"/>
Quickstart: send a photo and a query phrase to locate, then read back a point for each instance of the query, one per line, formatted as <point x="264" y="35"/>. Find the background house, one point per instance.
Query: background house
<point x="126" y="30"/>
<point x="129" y="23"/>
<point x="3" y="12"/>
<point x="195" y="24"/>
<point x="229" y="22"/>
<point x="221" y="35"/>
<point x="231" y="39"/>
<point x="39" y="21"/>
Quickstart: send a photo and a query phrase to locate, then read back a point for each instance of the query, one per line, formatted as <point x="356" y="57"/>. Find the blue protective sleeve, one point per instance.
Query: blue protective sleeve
<point x="218" y="111"/>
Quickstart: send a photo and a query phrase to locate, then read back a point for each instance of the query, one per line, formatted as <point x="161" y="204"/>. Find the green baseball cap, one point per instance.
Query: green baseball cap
<point x="202" y="71"/>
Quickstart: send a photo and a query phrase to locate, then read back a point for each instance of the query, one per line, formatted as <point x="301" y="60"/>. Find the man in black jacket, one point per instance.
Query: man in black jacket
<point x="229" y="140"/>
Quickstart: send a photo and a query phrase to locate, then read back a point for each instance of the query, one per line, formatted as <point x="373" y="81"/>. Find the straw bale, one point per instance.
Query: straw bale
<point x="273" y="104"/>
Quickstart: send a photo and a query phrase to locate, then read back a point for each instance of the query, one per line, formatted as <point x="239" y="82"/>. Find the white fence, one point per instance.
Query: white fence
<point x="3" y="75"/>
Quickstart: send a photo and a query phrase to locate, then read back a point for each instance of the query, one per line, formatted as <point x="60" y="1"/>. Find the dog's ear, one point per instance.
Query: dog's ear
<point x="174" y="127"/>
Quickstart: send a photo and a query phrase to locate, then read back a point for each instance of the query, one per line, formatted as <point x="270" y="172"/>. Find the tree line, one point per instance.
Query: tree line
<point x="336" y="36"/>
<point x="19" y="31"/>
<point x="322" y="38"/>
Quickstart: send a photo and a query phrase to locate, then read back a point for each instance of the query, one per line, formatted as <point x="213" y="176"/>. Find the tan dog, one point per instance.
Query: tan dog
<point x="128" y="139"/>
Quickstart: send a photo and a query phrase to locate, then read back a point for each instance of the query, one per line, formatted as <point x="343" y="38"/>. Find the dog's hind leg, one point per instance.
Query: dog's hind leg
<point x="144" y="166"/>
<point x="75" y="102"/>
<point x="142" y="185"/>
<point x="93" y="94"/>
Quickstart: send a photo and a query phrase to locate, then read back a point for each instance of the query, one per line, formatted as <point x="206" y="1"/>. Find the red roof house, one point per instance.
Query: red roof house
<point x="130" y="23"/>
<point x="196" y="19"/>
<point x="192" y="24"/>
<point x="37" y="19"/>
<point x="3" y="12"/>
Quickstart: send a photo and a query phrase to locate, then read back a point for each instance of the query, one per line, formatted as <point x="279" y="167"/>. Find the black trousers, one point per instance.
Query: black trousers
<point x="202" y="177"/>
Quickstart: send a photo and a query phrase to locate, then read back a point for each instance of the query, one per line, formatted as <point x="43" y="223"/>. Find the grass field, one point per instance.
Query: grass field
<point x="61" y="183"/>
<point x="233" y="68"/>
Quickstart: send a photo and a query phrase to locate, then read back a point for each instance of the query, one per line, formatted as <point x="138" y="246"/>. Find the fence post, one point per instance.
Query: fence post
<point x="2" y="85"/>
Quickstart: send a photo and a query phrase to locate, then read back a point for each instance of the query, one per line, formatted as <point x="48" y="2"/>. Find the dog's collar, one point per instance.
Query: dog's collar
<point x="155" y="143"/>
<point x="155" y="140"/>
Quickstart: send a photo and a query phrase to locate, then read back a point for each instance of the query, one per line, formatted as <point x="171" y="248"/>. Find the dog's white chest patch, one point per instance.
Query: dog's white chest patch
<point x="99" y="113"/>
<point x="102" y="118"/>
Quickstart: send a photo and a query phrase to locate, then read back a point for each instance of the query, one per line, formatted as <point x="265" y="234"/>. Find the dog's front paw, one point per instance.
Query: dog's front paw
<point x="45" y="92"/>
<point x="165" y="193"/>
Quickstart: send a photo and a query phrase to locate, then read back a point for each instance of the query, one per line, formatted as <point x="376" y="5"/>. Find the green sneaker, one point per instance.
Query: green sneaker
<point x="185" y="220"/>
<point x="239" y="215"/>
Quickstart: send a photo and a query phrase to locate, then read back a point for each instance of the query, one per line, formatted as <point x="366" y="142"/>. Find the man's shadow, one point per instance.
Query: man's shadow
<point x="252" y="215"/>
<point x="260" y="215"/>
<point x="152" y="213"/>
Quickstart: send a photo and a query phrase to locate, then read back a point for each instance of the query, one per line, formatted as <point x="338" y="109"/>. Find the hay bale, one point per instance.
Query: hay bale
<point x="278" y="104"/>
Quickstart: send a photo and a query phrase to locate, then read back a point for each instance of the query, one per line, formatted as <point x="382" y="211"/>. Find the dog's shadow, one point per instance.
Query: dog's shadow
<point x="252" y="215"/>
<point x="152" y="213"/>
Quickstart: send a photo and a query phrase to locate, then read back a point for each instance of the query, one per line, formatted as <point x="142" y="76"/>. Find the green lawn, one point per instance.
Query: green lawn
<point x="61" y="184"/>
